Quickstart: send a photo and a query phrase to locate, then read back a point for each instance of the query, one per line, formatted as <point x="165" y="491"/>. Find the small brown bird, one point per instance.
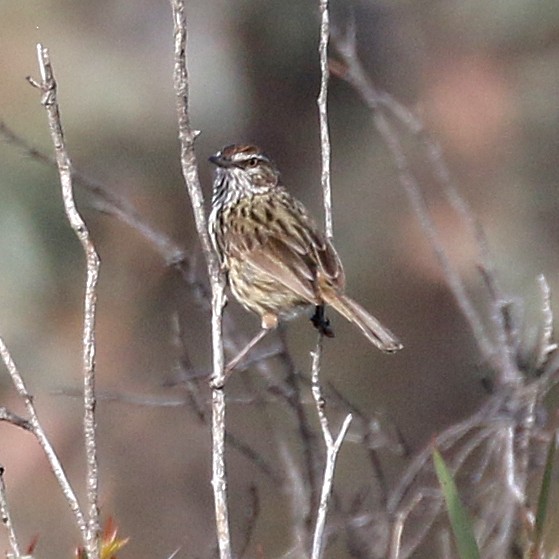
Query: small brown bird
<point x="277" y="260"/>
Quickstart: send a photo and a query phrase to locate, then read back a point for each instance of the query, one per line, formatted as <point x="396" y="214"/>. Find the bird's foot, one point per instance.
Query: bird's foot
<point x="321" y="323"/>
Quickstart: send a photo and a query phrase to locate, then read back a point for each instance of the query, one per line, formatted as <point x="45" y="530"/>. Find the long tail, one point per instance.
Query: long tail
<point x="373" y="330"/>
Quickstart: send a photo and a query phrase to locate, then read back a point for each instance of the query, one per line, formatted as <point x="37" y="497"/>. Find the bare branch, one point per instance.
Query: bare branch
<point x="7" y="517"/>
<point x="323" y="118"/>
<point x="331" y="447"/>
<point x="190" y="172"/>
<point x="48" y="86"/>
<point x="510" y="468"/>
<point x="398" y="526"/>
<point x="298" y="493"/>
<point x="252" y="517"/>
<point x="332" y="450"/>
<point x="546" y="345"/>
<point x="38" y="432"/>
<point x="499" y="436"/>
<point x="354" y="74"/>
<point x="9" y="417"/>
<point x="448" y="437"/>
<point x="502" y="353"/>
<point x="368" y="433"/>
<point x="105" y="200"/>
<point x="293" y="396"/>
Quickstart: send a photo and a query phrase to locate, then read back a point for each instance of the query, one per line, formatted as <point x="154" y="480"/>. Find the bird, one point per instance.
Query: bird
<point x="276" y="259"/>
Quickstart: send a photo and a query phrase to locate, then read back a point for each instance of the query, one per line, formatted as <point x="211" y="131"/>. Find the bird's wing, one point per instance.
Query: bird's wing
<point x="290" y="268"/>
<point x="278" y="238"/>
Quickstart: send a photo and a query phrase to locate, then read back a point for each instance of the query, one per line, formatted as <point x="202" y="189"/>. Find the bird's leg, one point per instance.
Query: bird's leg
<point x="269" y="322"/>
<point x="230" y="367"/>
<point x="321" y="323"/>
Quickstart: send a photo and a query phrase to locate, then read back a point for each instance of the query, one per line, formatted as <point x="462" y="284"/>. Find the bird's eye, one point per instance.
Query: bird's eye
<point x="252" y="162"/>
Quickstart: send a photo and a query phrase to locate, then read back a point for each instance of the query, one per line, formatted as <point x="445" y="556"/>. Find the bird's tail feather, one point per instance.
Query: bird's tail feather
<point x="373" y="330"/>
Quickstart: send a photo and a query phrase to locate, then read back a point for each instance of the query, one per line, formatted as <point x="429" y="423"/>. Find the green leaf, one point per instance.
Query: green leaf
<point x="459" y="520"/>
<point x="545" y="491"/>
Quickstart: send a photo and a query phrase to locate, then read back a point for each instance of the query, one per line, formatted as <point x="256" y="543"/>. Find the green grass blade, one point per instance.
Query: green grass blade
<point x="459" y="520"/>
<point x="545" y="490"/>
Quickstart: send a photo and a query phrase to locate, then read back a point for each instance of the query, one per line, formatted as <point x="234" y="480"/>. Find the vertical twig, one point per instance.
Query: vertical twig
<point x="37" y="430"/>
<point x="6" y="517"/>
<point x="323" y="118"/>
<point x="400" y="518"/>
<point x="545" y="344"/>
<point x="332" y="447"/>
<point x="332" y="450"/>
<point x="49" y="100"/>
<point x="187" y="137"/>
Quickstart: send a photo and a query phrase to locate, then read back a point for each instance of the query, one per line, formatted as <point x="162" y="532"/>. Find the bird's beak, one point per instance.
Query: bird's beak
<point x="219" y="160"/>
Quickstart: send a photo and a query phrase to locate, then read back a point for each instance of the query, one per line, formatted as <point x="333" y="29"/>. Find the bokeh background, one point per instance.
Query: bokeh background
<point x="484" y="76"/>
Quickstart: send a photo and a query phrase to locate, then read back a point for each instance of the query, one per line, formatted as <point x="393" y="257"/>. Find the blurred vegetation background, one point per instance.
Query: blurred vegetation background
<point x="484" y="75"/>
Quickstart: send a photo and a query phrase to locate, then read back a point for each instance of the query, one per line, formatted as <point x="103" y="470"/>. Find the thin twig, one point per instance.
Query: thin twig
<point x="332" y="447"/>
<point x="369" y="433"/>
<point x="107" y="200"/>
<point x="322" y="102"/>
<point x="354" y="74"/>
<point x="332" y="450"/>
<point x="298" y="500"/>
<point x="187" y="137"/>
<point x="255" y="458"/>
<point x="445" y="439"/>
<point x="7" y="517"/>
<point x="507" y="372"/>
<point x="398" y="526"/>
<point x="9" y="417"/>
<point x="507" y="422"/>
<point x="295" y="400"/>
<point x="38" y="432"/>
<point x="142" y="400"/>
<point x="431" y="505"/>
<point x="509" y="459"/>
<point x="546" y="345"/>
<point x="252" y="516"/>
<point x="323" y="118"/>
<point x="48" y="86"/>
<point x="501" y="353"/>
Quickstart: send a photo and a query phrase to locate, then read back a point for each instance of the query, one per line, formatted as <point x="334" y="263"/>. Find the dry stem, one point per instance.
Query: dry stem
<point x="506" y="424"/>
<point x="7" y="517"/>
<point x="42" y="439"/>
<point x="332" y="450"/>
<point x="47" y="86"/>
<point x="190" y="172"/>
<point x="323" y="118"/>
<point x="332" y="447"/>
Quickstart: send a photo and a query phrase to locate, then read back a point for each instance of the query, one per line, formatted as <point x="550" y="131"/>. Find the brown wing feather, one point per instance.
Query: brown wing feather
<point x="275" y="236"/>
<point x="279" y="262"/>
